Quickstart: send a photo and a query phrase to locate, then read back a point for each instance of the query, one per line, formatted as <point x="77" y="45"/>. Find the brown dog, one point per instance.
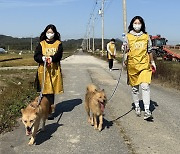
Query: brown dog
<point x="95" y="101"/>
<point x="32" y="115"/>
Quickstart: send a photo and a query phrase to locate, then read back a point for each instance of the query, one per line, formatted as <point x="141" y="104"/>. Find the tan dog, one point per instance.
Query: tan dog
<point x="32" y="115"/>
<point x="95" y="101"/>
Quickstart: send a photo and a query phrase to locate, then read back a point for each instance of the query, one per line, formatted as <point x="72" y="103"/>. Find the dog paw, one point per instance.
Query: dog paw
<point x="95" y="127"/>
<point x="99" y="128"/>
<point x="31" y="142"/>
<point x="92" y="122"/>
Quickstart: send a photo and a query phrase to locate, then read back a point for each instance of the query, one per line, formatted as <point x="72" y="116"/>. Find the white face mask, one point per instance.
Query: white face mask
<point x="49" y="35"/>
<point x="137" y="27"/>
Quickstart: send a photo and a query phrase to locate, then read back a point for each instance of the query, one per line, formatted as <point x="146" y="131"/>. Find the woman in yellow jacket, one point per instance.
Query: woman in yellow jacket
<point x="49" y="49"/>
<point x="111" y="53"/>
<point x="139" y="63"/>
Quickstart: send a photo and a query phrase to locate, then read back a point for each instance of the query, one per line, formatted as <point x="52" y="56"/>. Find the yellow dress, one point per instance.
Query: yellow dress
<point x="53" y="83"/>
<point x="139" y="70"/>
<point x="112" y="49"/>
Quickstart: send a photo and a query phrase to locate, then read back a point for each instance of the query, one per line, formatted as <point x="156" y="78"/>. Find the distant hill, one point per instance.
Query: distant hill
<point x="12" y="43"/>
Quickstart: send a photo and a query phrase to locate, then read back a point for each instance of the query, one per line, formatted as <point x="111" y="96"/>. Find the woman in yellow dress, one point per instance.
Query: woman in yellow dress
<point x="139" y="64"/>
<point x="49" y="49"/>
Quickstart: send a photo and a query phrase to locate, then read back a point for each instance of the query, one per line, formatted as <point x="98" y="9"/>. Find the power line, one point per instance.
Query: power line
<point x="89" y="26"/>
<point x="93" y="19"/>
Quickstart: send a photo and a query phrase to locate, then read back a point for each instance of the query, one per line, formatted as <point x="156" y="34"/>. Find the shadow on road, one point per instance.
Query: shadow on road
<point x="152" y="106"/>
<point x="66" y="106"/>
<point x="47" y="134"/>
<point x="107" y="124"/>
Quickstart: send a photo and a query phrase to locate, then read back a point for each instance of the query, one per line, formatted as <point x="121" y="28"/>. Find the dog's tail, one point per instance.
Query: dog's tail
<point x="91" y="88"/>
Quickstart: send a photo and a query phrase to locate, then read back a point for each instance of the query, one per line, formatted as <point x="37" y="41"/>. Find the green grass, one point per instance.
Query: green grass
<point x="16" y="91"/>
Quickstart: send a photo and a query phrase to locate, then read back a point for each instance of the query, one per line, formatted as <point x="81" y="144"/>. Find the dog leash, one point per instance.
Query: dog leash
<point x="120" y="74"/>
<point x="44" y="75"/>
<point x="123" y="115"/>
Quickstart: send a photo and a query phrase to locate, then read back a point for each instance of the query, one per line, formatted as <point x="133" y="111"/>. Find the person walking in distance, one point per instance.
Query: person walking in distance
<point x="49" y="49"/>
<point x="111" y="53"/>
<point x="139" y="64"/>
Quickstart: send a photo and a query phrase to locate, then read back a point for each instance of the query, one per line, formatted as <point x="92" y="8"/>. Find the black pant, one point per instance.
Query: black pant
<point x="110" y="63"/>
<point x="50" y="98"/>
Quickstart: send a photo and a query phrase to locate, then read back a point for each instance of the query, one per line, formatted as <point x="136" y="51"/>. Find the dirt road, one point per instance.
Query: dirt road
<point x="70" y="132"/>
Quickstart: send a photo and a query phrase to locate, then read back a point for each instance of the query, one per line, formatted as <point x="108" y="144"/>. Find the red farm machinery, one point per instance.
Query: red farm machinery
<point x="161" y="49"/>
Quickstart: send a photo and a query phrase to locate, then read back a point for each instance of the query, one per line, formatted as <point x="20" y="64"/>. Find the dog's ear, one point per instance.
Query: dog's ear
<point x="36" y="99"/>
<point x="32" y="105"/>
<point x="22" y="111"/>
<point x="37" y="110"/>
<point x="95" y="91"/>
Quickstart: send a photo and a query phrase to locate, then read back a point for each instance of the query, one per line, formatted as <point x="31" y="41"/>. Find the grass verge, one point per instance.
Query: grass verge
<point x="16" y="91"/>
<point x="16" y="87"/>
<point x="167" y="74"/>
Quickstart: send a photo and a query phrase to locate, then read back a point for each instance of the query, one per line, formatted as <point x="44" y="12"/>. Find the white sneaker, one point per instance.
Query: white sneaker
<point x="138" y="111"/>
<point x="147" y="115"/>
<point x="110" y="70"/>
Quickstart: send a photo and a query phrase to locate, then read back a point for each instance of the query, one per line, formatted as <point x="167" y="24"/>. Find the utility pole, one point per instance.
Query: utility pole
<point x="93" y="33"/>
<point x="87" y="43"/>
<point x="125" y="31"/>
<point x="101" y="12"/>
<point x="89" y="39"/>
<point x="124" y="17"/>
<point x="87" y="46"/>
<point x="31" y="43"/>
<point x="102" y="15"/>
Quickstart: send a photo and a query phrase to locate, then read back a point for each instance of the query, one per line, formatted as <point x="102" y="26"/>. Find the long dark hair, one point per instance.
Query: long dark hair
<point x="56" y="33"/>
<point x="143" y="27"/>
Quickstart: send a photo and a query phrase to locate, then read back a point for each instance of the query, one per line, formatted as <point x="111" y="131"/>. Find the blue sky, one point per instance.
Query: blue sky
<point x="25" y="18"/>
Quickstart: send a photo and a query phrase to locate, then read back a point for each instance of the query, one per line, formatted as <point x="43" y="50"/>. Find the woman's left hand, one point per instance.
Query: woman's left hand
<point x="153" y="66"/>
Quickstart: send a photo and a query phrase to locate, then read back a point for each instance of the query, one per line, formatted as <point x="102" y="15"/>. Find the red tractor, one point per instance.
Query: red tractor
<point x="160" y="49"/>
<point x="157" y="44"/>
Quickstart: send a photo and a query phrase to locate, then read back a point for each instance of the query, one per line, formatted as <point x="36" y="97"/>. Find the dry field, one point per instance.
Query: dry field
<point x="9" y="60"/>
<point x="177" y="51"/>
